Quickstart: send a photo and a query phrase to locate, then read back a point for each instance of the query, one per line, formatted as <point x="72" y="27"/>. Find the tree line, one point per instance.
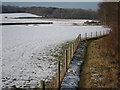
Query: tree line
<point x="109" y="13"/>
<point x="53" y="12"/>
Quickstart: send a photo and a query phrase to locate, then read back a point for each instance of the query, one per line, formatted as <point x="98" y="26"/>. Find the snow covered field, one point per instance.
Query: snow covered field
<point x="10" y="18"/>
<point x="26" y="50"/>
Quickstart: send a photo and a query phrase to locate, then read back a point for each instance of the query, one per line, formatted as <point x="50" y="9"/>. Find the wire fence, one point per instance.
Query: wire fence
<point x="69" y="54"/>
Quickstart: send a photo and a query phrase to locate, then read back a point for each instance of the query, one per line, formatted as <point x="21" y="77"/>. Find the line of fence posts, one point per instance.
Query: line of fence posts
<point x="69" y="54"/>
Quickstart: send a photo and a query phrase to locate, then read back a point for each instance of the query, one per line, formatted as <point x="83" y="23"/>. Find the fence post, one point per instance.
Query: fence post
<point x="91" y="34"/>
<point x="65" y="60"/>
<point x="78" y="41"/>
<point x="42" y="83"/>
<point x="79" y="38"/>
<point x="100" y="33"/>
<point x="58" y="74"/>
<point x="74" y="47"/>
<point x="106" y="32"/>
<point x="96" y="33"/>
<point x="85" y="36"/>
<point x="110" y="31"/>
<point x="75" y="44"/>
<point x="103" y="33"/>
<point x="72" y="50"/>
<point x="68" y="56"/>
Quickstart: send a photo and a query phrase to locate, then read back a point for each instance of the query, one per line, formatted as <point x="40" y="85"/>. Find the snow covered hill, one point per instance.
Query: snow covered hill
<point x="16" y="15"/>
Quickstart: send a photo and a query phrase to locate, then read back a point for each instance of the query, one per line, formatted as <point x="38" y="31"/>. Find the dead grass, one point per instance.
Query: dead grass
<point x="100" y="70"/>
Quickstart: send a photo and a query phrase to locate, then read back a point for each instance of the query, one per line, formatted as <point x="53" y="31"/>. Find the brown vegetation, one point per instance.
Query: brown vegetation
<point x="100" y="70"/>
<point x="108" y="13"/>
<point x="102" y="67"/>
<point x="112" y="45"/>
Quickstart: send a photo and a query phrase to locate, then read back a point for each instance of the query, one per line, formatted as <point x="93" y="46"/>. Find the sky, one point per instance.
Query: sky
<point x="59" y="0"/>
<point x="51" y="0"/>
<point x="83" y="5"/>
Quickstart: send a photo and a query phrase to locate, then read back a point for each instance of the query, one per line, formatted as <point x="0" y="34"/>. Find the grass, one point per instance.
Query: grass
<point x="99" y="70"/>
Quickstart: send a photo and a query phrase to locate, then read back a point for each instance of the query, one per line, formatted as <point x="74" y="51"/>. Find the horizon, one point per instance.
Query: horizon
<point x="76" y="5"/>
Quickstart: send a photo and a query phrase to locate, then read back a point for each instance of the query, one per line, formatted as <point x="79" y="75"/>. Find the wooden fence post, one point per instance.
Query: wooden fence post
<point x="100" y="33"/>
<point x="72" y="50"/>
<point x="110" y="31"/>
<point x="91" y="34"/>
<point x="79" y="38"/>
<point x="66" y="60"/>
<point x="96" y="33"/>
<point x="76" y="43"/>
<point x="42" y="84"/>
<point x="103" y="33"/>
<point x="106" y="32"/>
<point x="74" y="46"/>
<point x="58" y="74"/>
<point x="68" y="57"/>
<point x="85" y="36"/>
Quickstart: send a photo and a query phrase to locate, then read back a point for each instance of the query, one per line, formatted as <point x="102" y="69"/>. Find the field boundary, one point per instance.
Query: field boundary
<point x="69" y="54"/>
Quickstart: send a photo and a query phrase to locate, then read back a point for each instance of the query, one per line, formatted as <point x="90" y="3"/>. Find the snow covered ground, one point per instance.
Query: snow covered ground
<point x="17" y="15"/>
<point x="26" y="50"/>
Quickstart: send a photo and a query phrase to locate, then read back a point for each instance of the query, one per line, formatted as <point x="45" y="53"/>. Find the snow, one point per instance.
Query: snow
<point x="26" y="49"/>
<point x="16" y="15"/>
<point x="11" y="19"/>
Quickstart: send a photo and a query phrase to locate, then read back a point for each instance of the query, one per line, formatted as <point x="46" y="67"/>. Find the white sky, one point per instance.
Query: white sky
<point x="59" y="0"/>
